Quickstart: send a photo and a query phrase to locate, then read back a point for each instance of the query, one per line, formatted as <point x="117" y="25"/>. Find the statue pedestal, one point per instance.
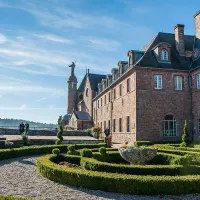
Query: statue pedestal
<point x="108" y="141"/>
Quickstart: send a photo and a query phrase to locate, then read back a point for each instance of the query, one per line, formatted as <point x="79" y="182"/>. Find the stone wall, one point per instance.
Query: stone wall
<point x="153" y="105"/>
<point x="43" y="132"/>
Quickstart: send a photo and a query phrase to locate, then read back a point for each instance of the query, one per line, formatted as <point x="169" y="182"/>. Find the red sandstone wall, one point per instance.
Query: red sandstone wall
<point x="153" y="105"/>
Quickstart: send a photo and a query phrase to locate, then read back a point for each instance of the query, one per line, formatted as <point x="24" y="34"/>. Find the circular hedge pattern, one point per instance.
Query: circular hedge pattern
<point x="99" y="174"/>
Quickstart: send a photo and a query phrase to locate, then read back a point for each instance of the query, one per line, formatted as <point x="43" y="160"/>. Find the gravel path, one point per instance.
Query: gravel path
<point x="19" y="177"/>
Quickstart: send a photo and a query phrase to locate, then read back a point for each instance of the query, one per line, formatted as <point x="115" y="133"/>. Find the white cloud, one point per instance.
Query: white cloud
<point x="23" y="107"/>
<point x="54" y="38"/>
<point x="3" y="38"/>
<point x="41" y="99"/>
<point x="25" y="89"/>
<point x="101" y="44"/>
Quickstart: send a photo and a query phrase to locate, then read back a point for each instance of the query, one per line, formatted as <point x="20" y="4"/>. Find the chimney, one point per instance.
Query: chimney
<point x="179" y="38"/>
<point x="197" y="24"/>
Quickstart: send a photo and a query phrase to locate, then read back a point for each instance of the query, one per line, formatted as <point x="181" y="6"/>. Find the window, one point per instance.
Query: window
<point x="178" y="83"/>
<point x="94" y="114"/>
<point x="114" y="91"/>
<point x="105" y="99"/>
<point x="87" y="92"/>
<point x="120" y="90"/>
<point x="158" y="82"/>
<point x="128" y="85"/>
<point x="109" y="124"/>
<point x="169" y="126"/>
<point x="104" y="125"/>
<point x="120" y="124"/>
<point x="164" y="55"/>
<point x="98" y="103"/>
<point x="101" y="101"/>
<point x="114" y="124"/>
<point x="128" y="124"/>
<point x="101" y="126"/>
<point x="198" y="81"/>
<point x="109" y="97"/>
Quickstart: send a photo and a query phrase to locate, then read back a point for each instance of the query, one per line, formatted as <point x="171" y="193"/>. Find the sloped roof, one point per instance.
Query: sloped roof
<point x="82" y="115"/>
<point x="94" y="80"/>
<point x="177" y="61"/>
<point x="196" y="63"/>
<point x="67" y="117"/>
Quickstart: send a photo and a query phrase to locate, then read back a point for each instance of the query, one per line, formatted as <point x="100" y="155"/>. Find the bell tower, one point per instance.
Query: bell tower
<point x="72" y="90"/>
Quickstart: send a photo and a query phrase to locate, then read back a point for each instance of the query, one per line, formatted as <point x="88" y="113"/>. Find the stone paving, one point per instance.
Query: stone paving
<point x="19" y="177"/>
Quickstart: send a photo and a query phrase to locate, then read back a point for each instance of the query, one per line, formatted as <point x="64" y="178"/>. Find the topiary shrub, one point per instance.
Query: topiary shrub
<point x="59" y="134"/>
<point x="56" y="151"/>
<point x="72" y="150"/>
<point x="86" y="153"/>
<point x="25" y="139"/>
<point x="102" y="150"/>
<point x="185" y="140"/>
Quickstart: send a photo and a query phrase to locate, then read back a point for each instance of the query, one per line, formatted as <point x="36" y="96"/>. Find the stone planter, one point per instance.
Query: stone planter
<point x="136" y="155"/>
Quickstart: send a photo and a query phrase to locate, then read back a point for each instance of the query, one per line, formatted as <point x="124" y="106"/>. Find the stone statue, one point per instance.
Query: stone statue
<point x="72" y="68"/>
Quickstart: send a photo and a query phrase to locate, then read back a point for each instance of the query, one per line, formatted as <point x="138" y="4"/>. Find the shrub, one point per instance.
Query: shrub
<point x="56" y="151"/>
<point x="9" y="145"/>
<point x="155" y="170"/>
<point x="59" y="134"/>
<point x="8" y="197"/>
<point x="89" y="146"/>
<point x="89" y="130"/>
<point x="102" y="151"/>
<point x="86" y="153"/>
<point x="185" y="140"/>
<point x="120" y="183"/>
<point x="72" y="150"/>
<point x="25" y="139"/>
<point x="32" y="150"/>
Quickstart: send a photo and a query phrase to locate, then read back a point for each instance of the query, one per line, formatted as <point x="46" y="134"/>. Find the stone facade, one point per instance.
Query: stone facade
<point x="197" y="24"/>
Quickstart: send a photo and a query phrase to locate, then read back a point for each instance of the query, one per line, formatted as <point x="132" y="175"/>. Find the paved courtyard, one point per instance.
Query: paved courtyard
<point x="19" y="177"/>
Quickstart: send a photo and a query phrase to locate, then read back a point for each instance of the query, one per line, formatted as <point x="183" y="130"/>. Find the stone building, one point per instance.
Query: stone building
<point x="149" y="96"/>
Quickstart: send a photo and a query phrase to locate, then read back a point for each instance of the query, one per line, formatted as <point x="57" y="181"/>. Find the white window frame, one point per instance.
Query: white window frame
<point x="167" y="132"/>
<point x="164" y="56"/>
<point x="158" y="82"/>
<point x="178" y="83"/>
<point x="198" y="81"/>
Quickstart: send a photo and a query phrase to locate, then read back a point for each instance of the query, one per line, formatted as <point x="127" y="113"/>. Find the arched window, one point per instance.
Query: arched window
<point x="169" y="126"/>
<point x="164" y="55"/>
<point x="87" y="92"/>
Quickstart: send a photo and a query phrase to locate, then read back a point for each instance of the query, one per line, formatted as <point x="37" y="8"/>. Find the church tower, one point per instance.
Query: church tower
<point x="72" y="90"/>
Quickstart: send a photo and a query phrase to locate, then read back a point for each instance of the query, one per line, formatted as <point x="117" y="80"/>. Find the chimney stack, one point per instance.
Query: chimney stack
<point x="197" y="24"/>
<point x="179" y="38"/>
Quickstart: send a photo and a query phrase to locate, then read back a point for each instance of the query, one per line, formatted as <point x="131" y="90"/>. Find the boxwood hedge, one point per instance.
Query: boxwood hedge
<point x="119" y="183"/>
<point x="8" y="197"/>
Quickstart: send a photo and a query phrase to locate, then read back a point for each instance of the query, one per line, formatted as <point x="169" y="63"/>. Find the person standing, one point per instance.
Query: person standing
<point x="21" y="127"/>
<point x="27" y="127"/>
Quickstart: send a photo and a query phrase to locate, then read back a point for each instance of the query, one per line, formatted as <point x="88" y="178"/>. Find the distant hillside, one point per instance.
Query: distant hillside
<point x="16" y="122"/>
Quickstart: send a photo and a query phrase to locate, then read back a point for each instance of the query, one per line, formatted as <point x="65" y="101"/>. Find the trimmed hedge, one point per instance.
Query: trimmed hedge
<point x="32" y="150"/>
<point x="174" y="147"/>
<point x="120" y="183"/>
<point x="147" y="143"/>
<point x="38" y="150"/>
<point x="8" y="197"/>
<point x="158" y="170"/>
<point x="89" y="146"/>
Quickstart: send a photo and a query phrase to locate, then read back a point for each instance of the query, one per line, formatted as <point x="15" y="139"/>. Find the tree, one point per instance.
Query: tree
<point x="59" y="134"/>
<point x="185" y="140"/>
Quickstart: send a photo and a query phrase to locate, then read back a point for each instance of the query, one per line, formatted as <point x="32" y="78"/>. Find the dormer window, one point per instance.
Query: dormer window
<point x="164" y="55"/>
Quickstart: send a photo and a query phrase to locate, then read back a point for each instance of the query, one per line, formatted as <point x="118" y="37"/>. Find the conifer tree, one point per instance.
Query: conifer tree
<point x="185" y="136"/>
<point x="59" y="134"/>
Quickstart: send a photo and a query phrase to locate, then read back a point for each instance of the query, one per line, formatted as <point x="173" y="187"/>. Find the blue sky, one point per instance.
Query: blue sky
<point x="39" y="38"/>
